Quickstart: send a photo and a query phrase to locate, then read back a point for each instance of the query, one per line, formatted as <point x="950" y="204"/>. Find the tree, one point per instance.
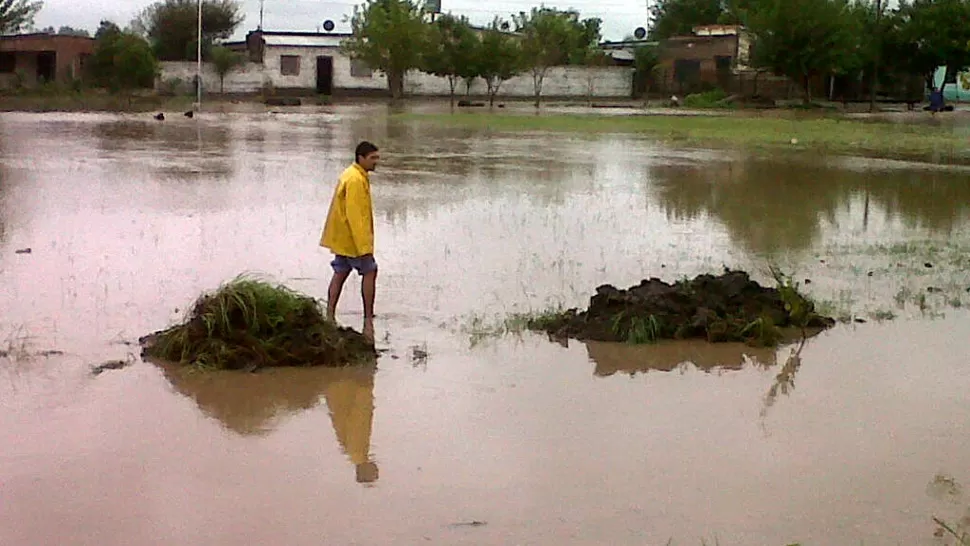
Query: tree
<point x="499" y="58"/>
<point x="645" y="63"/>
<point x="391" y="36"/>
<point x="451" y="50"/>
<point x="679" y="17"/>
<point x="225" y="60"/>
<point x="70" y="31"/>
<point x="550" y="37"/>
<point x="17" y="15"/>
<point x="172" y="26"/>
<point x="122" y="61"/>
<point x="595" y="58"/>
<point x="803" y="38"/>
<point x="931" y="34"/>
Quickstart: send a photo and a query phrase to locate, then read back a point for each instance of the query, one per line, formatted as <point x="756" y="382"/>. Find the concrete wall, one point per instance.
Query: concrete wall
<point x="560" y="81"/>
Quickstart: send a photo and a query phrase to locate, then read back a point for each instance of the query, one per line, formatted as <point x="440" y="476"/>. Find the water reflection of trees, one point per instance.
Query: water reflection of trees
<point x="171" y="149"/>
<point x="255" y="404"/>
<point x="771" y="206"/>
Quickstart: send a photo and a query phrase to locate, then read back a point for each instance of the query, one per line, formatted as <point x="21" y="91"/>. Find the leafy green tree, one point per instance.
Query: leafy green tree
<point x="224" y="61"/>
<point x="71" y="31"/>
<point x="499" y="58"/>
<point x="391" y="36"/>
<point x="550" y="37"/>
<point x="17" y="15"/>
<point x="451" y="50"/>
<point x="645" y="63"/>
<point x="931" y="34"/>
<point x="122" y="61"/>
<point x="172" y="26"/>
<point x="803" y="38"/>
<point x="679" y="17"/>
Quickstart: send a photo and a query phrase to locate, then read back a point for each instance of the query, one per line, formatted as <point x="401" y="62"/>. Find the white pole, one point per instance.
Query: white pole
<point x="198" y="68"/>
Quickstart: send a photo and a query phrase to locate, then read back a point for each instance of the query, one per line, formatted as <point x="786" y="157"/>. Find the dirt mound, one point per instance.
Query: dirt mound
<point x="249" y="324"/>
<point x="729" y="307"/>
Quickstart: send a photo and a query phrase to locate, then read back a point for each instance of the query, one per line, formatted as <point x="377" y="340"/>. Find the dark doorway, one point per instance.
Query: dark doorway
<point x="325" y="75"/>
<point x="46" y="66"/>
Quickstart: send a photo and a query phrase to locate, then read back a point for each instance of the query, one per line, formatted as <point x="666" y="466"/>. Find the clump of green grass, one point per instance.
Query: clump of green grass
<point x="249" y="324"/>
<point x="707" y="99"/>
<point x="823" y="133"/>
<point x="637" y="330"/>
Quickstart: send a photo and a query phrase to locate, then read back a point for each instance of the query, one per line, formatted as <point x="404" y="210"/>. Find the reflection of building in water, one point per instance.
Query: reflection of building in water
<point x="665" y="356"/>
<point x="256" y="404"/>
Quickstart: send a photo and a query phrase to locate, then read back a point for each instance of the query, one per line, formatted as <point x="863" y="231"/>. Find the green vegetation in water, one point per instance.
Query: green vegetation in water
<point x="823" y="134"/>
<point x="249" y="324"/>
<point x="729" y="307"/>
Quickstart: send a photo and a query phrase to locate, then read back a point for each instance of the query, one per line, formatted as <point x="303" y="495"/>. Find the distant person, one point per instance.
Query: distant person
<point x="349" y="233"/>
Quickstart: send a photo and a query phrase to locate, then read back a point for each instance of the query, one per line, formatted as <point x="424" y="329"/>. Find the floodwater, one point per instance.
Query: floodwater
<point x="457" y="436"/>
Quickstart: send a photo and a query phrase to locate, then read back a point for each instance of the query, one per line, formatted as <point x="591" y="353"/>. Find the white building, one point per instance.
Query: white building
<point x="310" y="62"/>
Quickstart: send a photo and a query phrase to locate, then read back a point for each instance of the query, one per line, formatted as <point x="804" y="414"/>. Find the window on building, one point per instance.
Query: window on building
<point x="951" y="77"/>
<point x="290" y="65"/>
<point x="360" y="69"/>
<point x="722" y="63"/>
<point x="8" y="63"/>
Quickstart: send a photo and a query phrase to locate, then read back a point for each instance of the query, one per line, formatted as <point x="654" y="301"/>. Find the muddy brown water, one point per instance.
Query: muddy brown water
<point x="459" y="437"/>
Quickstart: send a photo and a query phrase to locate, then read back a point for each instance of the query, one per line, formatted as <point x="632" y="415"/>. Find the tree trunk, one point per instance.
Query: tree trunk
<point x="808" y="89"/>
<point x="222" y="85"/>
<point x="395" y="82"/>
<point x="537" y="77"/>
<point x="452" y="82"/>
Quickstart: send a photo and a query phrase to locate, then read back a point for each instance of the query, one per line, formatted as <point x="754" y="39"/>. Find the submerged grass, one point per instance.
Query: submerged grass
<point x="248" y="323"/>
<point x="824" y="134"/>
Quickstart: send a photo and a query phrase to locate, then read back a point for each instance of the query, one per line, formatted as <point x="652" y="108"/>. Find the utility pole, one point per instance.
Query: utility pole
<point x="261" y="15"/>
<point x="198" y="60"/>
<point x="875" y="60"/>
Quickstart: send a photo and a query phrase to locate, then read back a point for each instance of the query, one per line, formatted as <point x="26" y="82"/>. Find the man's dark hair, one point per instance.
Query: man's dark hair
<point x="364" y="149"/>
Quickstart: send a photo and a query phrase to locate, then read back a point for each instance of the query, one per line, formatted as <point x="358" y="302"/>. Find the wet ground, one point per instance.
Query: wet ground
<point x="460" y="437"/>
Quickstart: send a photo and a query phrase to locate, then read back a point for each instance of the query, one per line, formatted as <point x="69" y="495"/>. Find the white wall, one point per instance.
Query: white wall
<point x="246" y="79"/>
<point x="560" y="81"/>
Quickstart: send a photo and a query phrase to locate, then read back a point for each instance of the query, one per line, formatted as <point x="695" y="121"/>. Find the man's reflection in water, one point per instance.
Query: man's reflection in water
<point x="256" y="404"/>
<point x="350" y="399"/>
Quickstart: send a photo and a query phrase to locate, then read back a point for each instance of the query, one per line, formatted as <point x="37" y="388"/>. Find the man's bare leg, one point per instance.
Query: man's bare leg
<point x="333" y="293"/>
<point x="368" y="288"/>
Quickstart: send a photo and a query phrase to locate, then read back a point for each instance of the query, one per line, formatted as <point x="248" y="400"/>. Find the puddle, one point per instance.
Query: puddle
<point x="863" y="437"/>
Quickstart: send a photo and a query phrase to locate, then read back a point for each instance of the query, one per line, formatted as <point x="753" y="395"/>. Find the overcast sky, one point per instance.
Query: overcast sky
<point x="620" y="17"/>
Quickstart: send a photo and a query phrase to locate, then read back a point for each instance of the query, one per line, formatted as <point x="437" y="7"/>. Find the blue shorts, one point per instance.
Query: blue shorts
<point x="363" y="264"/>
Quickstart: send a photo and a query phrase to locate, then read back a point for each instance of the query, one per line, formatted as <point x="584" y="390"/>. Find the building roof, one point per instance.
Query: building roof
<point x="717" y="30"/>
<point x="44" y="36"/>
<point x="301" y="39"/>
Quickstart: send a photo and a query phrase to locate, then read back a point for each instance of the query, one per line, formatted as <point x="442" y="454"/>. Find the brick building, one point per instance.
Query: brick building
<point x="29" y="59"/>
<point x="708" y="58"/>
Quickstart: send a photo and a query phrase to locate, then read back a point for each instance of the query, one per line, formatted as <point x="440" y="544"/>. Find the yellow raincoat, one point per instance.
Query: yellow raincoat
<point x="349" y="230"/>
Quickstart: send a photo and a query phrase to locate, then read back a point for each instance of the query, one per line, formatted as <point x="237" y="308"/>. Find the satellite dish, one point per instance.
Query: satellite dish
<point x="328" y="25"/>
<point x="505" y="25"/>
<point x="640" y="33"/>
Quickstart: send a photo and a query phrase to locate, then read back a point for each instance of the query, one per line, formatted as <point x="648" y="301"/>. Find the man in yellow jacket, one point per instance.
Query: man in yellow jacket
<point x="349" y="233"/>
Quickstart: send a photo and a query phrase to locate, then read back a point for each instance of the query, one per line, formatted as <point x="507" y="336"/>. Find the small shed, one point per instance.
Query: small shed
<point x="30" y="59"/>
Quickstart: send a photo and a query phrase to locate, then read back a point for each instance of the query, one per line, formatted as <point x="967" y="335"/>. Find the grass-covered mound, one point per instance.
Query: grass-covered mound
<point x="248" y="324"/>
<point x="729" y="307"/>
